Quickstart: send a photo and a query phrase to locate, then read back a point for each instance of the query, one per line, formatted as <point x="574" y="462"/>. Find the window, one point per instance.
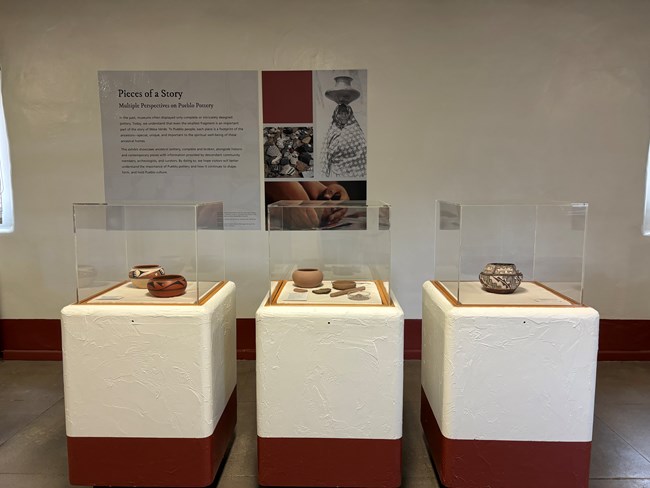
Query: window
<point x="646" y="212"/>
<point x="6" y="196"/>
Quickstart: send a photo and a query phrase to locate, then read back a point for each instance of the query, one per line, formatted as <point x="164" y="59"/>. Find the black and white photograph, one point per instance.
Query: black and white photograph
<point x="316" y="191"/>
<point x="340" y="117"/>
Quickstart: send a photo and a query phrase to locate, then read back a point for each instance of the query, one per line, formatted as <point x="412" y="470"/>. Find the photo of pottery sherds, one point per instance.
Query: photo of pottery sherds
<point x="288" y="152"/>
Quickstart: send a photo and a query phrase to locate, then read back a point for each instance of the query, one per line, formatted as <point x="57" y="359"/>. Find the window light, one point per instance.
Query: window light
<point x="646" y="211"/>
<point x="6" y="194"/>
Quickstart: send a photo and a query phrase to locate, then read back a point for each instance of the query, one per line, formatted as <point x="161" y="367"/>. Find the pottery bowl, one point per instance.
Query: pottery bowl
<point x="343" y="284"/>
<point x="141" y="274"/>
<point x="167" y="286"/>
<point x="500" y="278"/>
<point x="307" y="277"/>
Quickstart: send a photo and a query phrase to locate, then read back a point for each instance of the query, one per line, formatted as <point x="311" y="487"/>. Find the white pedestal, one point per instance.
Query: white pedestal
<point x="329" y="395"/>
<point x="150" y="391"/>
<point x="521" y="375"/>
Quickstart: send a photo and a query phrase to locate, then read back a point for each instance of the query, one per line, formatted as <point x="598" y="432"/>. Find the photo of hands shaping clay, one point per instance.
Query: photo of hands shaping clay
<point x="318" y="208"/>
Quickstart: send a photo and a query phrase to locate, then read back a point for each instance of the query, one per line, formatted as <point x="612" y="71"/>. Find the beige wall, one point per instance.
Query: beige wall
<point x="468" y="100"/>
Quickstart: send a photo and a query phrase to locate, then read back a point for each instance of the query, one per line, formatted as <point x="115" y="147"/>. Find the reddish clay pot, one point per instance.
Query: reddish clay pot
<point x="307" y="277"/>
<point x="167" y="286"/>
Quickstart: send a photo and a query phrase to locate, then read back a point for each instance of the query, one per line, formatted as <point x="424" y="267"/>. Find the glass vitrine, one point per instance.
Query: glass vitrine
<point x="529" y="254"/>
<point x="329" y="253"/>
<point x="121" y="248"/>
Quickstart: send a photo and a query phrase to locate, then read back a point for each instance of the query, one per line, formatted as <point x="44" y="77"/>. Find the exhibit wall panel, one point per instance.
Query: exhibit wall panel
<point x="507" y="102"/>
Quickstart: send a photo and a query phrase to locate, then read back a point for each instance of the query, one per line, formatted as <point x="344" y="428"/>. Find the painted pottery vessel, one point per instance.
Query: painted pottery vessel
<point x="307" y="277"/>
<point x="141" y="274"/>
<point x="500" y="277"/>
<point x="343" y="92"/>
<point x="167" y="286"/>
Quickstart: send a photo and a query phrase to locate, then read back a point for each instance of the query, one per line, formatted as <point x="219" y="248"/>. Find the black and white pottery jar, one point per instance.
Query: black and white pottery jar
<point x="500" y="277"/>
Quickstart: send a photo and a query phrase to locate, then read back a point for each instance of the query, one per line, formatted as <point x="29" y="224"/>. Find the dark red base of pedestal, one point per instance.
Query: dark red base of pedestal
<point x="137" y="461"/>
<point x="505" y="464"/>
<point x="329" y="462"/>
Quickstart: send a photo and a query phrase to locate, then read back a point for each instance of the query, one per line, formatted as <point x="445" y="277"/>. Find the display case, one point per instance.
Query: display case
<point x="529" y="254"/>
<point x="340" y="246"/>
<point x="122" y="249"/>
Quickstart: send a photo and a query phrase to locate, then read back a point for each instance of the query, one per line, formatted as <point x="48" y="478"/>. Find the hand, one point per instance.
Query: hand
<point x="334" y="191"/>
<point x="331" y="216"/>
<point x="302" y="218"/>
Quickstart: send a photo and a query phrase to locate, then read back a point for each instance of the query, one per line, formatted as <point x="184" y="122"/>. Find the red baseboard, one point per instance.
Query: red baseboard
<point x="624" y="340"/>
<point x="129" y="461"/>
<point x="31" y="339"/>
<point x="246" y="339"/>
<point x="30" y="355"/>
<point x="623" y="355"/>
<point x="412" y="338"/>
<point x="40" y="339"/>
<point x="471" y="463"/>
<point x="329" y="462"/>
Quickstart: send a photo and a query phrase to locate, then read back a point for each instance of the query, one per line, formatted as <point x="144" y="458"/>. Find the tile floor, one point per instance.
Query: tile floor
<point x="32" y="428"/>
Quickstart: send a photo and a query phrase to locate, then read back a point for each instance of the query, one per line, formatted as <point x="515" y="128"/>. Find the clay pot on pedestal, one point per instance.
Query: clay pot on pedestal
<point x="307" y="277"/>
<point x="167" y="286"/>
<point x="141" y="274"/>
<point x="500" y="278"/>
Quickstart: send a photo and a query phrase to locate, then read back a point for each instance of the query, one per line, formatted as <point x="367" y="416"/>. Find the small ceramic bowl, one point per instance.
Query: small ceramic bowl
<point x="307" y="277"/>
<point x="500" y="278"/>
<point x="141" y="274"/>
<point x="343" y="284"/>
<point x="167" y="286"/>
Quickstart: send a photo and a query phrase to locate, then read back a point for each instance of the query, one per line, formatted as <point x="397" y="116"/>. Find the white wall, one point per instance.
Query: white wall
<point x="467" y="100"/>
